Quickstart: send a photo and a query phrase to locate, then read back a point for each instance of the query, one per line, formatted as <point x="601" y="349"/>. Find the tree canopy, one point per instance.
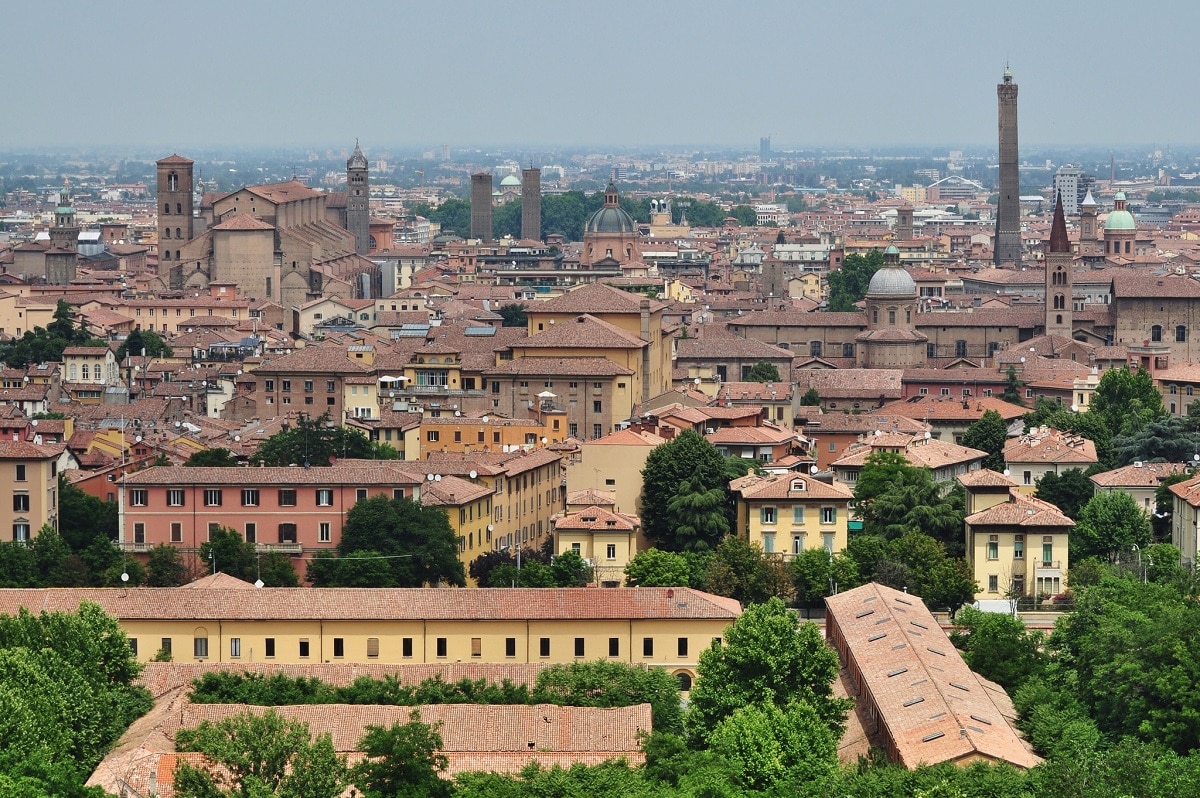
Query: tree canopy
<point x="146" y="342"/>
<point x="848" y="283"/>
<point x="1110" y="523"/>
<point x="1067" y="491"/>
<point x="227" y="552"/>
<point x="762" y="371"/>
<point x="514" y="315"/>
<point x="46" y="345"/>
<point x="686" y="466"/>
<point x="988" y="434"/>
<point x="319" y="442"/>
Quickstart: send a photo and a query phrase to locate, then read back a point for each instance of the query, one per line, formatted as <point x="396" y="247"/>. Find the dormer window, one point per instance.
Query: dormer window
<point x="799" y="485"/>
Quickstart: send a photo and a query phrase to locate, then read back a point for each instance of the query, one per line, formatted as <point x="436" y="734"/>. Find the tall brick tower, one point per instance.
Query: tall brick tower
<point x="358" y="195"/>
<point x="174" y="207"/>
<point x="531" y="204"/>
<point x="481" y="206"/>
<point x="1058" y="275"/>
<point x="1007" y="247"/>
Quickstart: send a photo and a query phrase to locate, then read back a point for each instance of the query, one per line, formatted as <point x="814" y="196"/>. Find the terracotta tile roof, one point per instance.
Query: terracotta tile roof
<point x="949" y="408"/>
<point x="451" y="491"/>
<point x="174" y="159"/>
<point x="559" y="366"/>
<point x="850" y="423"/>
<point x="764" y="435"/>
<point x="585" y="331"/>
<point x="595" y="298"/>
<point x="756" y="391"/>
<point x="985" y="478"/>
<point x="725" y="347"/>
<point x="1021" y="510"/>
<point x="1188" y="490"/>
<point x="931" y="705"/>
<point x="628" y="437"/>
<point x="754" y="487"/>
<point x="598" y="519"/>
<point x="327" y="359"/>
<point x="1139" y="475"/>
<point x="851" y="383"/>
<point x="287" y="191"/>
<point x="24" y="450"/>
<point x="312" y="603"/>
<point x="931" y="453"/>
<point x="243" y="221"/>
<point x="1147" y="283"/>
<point x="589" y="497"/>
<point x="85" y="351"/>
<point x="345" y="472"/>
<point x="1050" y="446"/>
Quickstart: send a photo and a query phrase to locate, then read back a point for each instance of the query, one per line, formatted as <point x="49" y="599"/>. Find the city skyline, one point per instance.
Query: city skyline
<point x="618" y="75"/>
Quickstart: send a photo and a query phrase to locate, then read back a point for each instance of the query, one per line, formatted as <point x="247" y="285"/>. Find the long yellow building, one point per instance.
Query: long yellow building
<point x="222" y="619"/>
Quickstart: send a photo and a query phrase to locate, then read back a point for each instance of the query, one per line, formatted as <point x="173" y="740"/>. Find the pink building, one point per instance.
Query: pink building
<point x="291" y="509"/>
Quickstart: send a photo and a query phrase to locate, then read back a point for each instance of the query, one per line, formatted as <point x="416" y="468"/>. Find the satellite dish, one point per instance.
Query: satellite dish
<point x="927" y="435"/>
<point x="490" y="528"/>
<point x="137" y="439"/>
<point x="237" y="438"/>
<point x="258" y="583"/>
<point x="1007" y="472"/>
<point x="696" y="381"/>
<point x="437" y="477"/>
<point x="124" y="577"/>
<point x="429" y="477"/>
<point x="473" y="473"/>
<point x="485" y="419"/>
<point x="34" y="422"/>
<point x="457" y="413"/>
<point x="543" y="441"/>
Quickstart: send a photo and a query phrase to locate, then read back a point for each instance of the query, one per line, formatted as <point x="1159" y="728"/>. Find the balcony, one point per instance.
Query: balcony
<point x="286" y="548"/>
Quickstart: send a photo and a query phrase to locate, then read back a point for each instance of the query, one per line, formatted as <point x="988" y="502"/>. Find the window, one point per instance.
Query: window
<point x="132" y="646"/>
<point x="21" y="532"/>
<point x="768" y="515"/>
<point x="476" y="646"/>
<point x="798" y="514"/>
<point x="797" y="544"/>
<point x="137" y="497"/>
<point x="682" y="646"/>
<point x="235" y="647"/>
<point x="579" y="646"/>
<point x="308" y="386"/>
<point x="1180" y="334"/>
<point x="510" y="646"/>
<point x="1047" y="554"/>
<point x="287" y="533"/>
<point x="200" y="647"/>
<point x="1156" y="333"/>
<point x="139" y="533"/>
<point x="324" y="497"/>
<point x="993" y="584"/>
<point x="406" y="646"/>
<point x="441" y="646"/>
<point x="647" y="646"/>
<point x="431" y="436"/>
<point x="20" y="502"/>
<point x="212" y="497"/>
<point x="827" y="542"/>
<point x="960" y="348"/>
<point x="176" y="532"/>
<point x="166" y="645"/>
<point x="304" y="649"/>
<point x="611" y="551"/>
<point x="828" y="515"/>
<point x="597" y="430"/>
<point x="249" y="497"/>
<point x="287" y="497"/>
<point x="285" y="385"/>
<point x="597" y="407"/>
<point x="324" y="532"/>
<point x="269" y="385"/>
<point x="175" y="497"/>
<point x="544" y="647"/>
<point x="269" y="647"/>
<point x="1019" y="548"/>
<point x="20" y="472"/>
<point x="360" y="494"/>
<point x="993" y="548"/>
<point x="251" y="532"/>
<point x="768" y="542"/>
<point x="1027" y="477"/>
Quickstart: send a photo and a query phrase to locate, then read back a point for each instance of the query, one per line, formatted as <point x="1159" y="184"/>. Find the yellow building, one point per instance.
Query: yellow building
<point x="20" y="314"/>
<point x="452" y="431"/>
<point x="605" y="540"/>
<point x="468" y="507"/>
<point x="789" y="513"/>
<point x="1016" y="544"/>
<point x="221" y="619"/>
<point x="614" y="463"/>
<point x="29" y="473"/>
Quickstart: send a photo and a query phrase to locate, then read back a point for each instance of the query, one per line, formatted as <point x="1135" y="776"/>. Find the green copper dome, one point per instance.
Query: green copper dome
<point x="891" y="250"/>
<point x="1120" y="220"/>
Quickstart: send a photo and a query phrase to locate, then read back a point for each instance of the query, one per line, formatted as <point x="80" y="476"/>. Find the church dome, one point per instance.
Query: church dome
<point x="510" y="180"/>
<point x="1118" y="217"/>
<point x="612" y="218"/>
<point x="892" y="280"/>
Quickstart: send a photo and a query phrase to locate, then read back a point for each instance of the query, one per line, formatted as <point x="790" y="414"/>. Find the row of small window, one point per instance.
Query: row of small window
<point x="1174" y="389"/>
<point x="286" y="385"/>
<point x="200" y="648"/>
<point x="287" y="532"/>
<point x="993" y="548"/>
<point x="1046" y="585"/>
<point x="1156" y="333"/>
<point x="770" y="515"/>
<point x="610" y="551"/>
<point x="251" y="497"/>
<point x="178" y="312"/>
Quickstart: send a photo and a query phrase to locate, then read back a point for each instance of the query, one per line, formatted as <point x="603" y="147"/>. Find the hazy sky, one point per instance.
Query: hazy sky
<point x="604" y="73"/>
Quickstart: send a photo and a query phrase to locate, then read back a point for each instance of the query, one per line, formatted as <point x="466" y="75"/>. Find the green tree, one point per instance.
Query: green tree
<point x="745" y="215"/>
<point x="1169" y="439"/>
<point x="766" y="657"/>
<point x="848" y="283"/>
<point x="417" y="541"/>
<point x="454" y="215"/>
<point x="998" y="646"/>
<point x="256" y="756"/>
<point x="810" y="398"/>
<point x="743" y="571"/>
<point x="1164" y="505"/>
<point x="1012" y="387"/>
<point x="165" y="567"/>
<point x="605" y="683"/>
<point x="570" y="570"/>
<point x="658" y="568"/>
<point x="763" y="744"/>
<point x="762" y="371"/>
<point x="1109" y="524"/>
<point x="817" y="573"/>
<point x="227" y="552"/>
<point x="895" y="498"/>
<point x="514" y="315"/>
<point x="319" y="442"/>
<point x="403" y="761"/>
<point x="1067" y="491"/>
<point x="690" y="458"/>
<point x="699" y="516"/>
<point x="218" y="457"/>
<point x="143" y="341"/>
<point x="1126" y="400"/>
<point x="988" y="434"/>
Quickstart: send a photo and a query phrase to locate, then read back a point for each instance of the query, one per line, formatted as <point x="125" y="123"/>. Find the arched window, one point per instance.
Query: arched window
<point x="1180" y="333"/>
<point x="172" y="182"/>
<point x="875" y="316"/>
<point x="167" y="208"/>
<point x="166" y="232"/>
<point x="166" y="254"/>
<point x="178" y="234"/>
<point x="847" y="350"/>
<point x="1060" y="302"/>
<point x="85" y="371"/>
<point x="891" y="317"/>
<point x="685" y="680"/>
<point x="1156" y="332"/>
<point x="1058" y="319"/>
<point x="179" y="207"/>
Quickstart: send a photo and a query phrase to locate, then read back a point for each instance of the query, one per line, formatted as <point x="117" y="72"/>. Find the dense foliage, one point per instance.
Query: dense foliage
<point x="319" y="442"/>
<point x="848" y="283"/>
<point x="988" y="434"/>
<point x="691" y="472"/>
<point x="46" y="345"/>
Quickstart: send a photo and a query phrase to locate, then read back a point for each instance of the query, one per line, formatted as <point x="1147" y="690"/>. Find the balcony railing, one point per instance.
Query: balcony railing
<point x="287" y="548"/>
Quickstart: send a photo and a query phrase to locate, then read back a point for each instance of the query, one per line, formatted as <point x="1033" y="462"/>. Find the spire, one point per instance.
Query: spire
<point x="1058" y="229"/>
<point x="357" y="159"/>
<point x="1088" y="200"/>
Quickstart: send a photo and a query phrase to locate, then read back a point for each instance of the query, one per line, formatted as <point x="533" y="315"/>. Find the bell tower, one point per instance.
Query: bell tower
<point x="358" y="194"/>
<point x="1059" y="301"/>
<point x="174" y="206"/>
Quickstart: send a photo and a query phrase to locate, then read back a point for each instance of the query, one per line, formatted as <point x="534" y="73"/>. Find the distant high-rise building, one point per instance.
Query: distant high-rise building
<point x="175" y="223"/>
<point x="1073" y="184"/>
<point x="445" y="152"/>
<point x="531" y="204"/>
<point x="1007" y="246"/>
<point x="1058" y="275"/>
<point x="764" y="149"/>
<point x="358" y="195"/>
<point x="481" y="206"/>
